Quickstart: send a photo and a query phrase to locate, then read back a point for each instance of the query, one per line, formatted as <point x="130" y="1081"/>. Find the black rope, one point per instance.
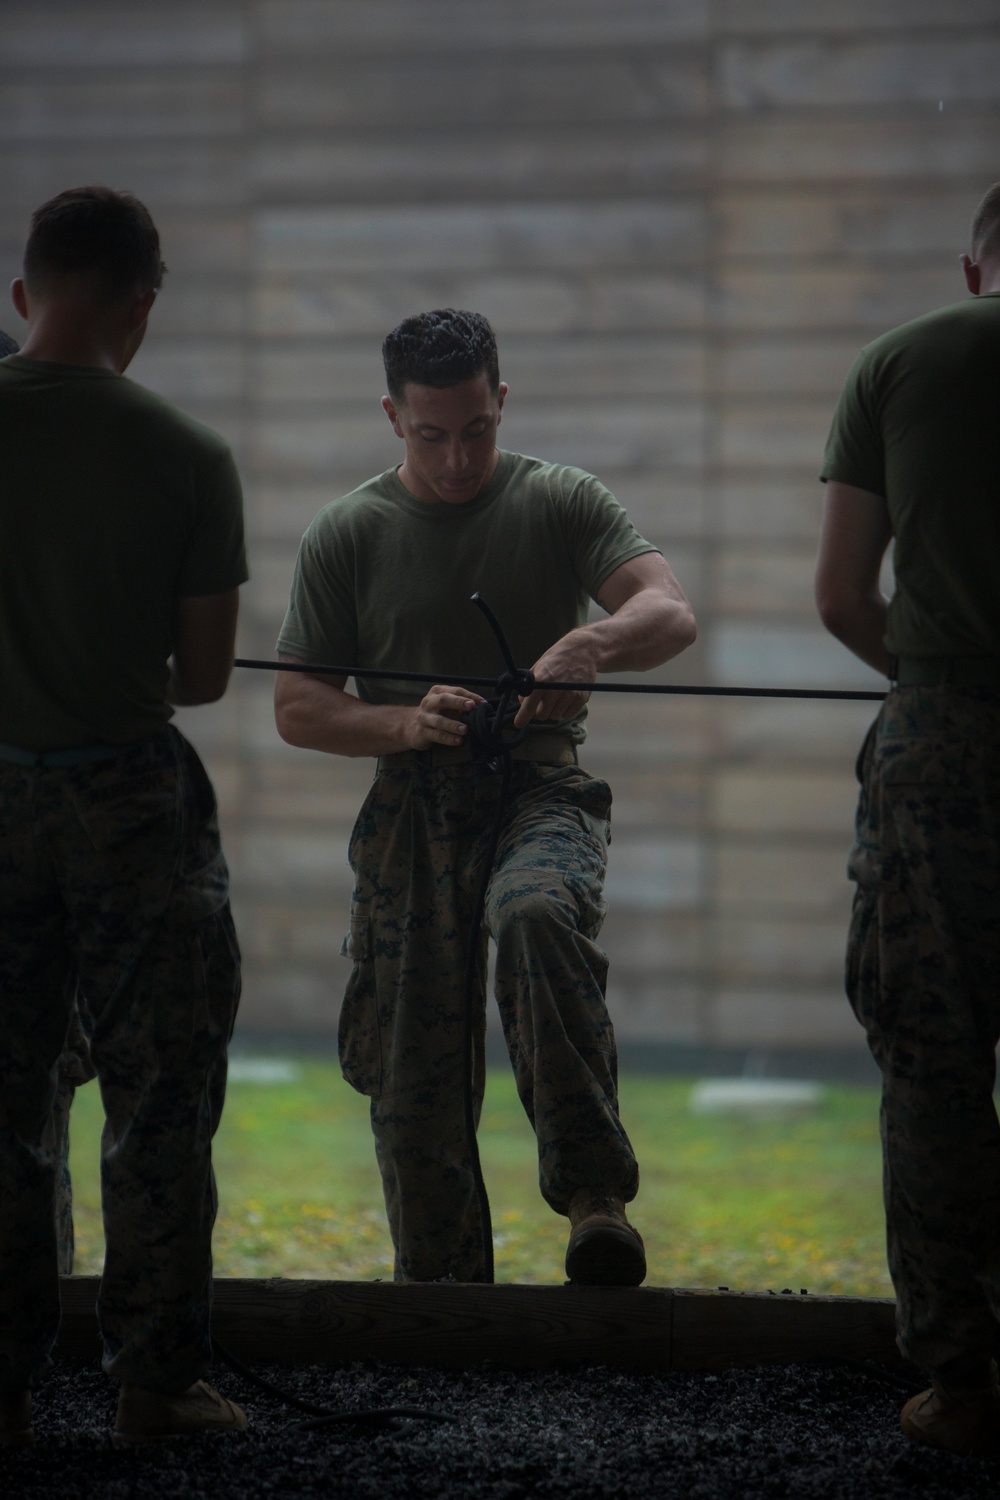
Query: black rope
<point x="377" y="1417"/>
<point x="527" y="683"/>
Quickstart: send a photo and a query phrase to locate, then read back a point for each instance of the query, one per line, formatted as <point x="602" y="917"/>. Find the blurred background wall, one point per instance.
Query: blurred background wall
<point x="684" y="217"/>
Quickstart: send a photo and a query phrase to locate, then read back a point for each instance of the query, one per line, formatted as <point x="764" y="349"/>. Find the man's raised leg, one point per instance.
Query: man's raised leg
<point x="545" y="908"/>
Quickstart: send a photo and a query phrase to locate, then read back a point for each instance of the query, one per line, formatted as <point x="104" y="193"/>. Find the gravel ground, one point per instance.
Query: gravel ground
<point x="801" y="1430"/>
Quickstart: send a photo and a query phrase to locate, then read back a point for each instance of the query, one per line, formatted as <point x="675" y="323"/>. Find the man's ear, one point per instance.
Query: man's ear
<point x="501" y="395"/>
<point x="390" y="412"/>
<point x="19" y="297"/>
<point x="973" y="274"/>
<point x="139" y="309"/>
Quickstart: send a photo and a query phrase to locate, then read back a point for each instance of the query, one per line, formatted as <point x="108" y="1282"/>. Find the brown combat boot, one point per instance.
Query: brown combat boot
<point x="603" y="1249"/>
<point x="156" y="1416"/>
<point x="963" y="1418"/>
<point x="15" y="1419"/>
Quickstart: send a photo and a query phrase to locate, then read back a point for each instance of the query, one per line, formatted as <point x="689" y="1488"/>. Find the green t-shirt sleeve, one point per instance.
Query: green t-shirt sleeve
<point x="215" y="559"/>
<point x="599" y="535"/>
<point x="855" y="453"/>
<point x="321" y="622"/>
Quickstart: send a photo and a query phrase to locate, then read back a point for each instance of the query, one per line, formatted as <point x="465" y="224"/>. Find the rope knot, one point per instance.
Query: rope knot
<point x="488" y="724"/>
<point x="518" y="683"/>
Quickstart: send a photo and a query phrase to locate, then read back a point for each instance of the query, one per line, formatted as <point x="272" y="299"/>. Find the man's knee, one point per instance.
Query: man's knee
<point x="528" y="908"/>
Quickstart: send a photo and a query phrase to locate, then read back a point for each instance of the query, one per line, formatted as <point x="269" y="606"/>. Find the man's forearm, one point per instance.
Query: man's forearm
<point x="182" y="693"/>
<point x="318" y="715"/>
<point x="861" y="627"/>
<point x="645" y="631"/>
<point x="855" y="534"/>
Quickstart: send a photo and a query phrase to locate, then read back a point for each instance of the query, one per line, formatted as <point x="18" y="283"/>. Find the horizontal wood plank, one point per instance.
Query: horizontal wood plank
<point x="436" y="238"/>
<point x="528" y="1327"/>
<point x="443" y="165"/>
<point x="104" y="35"/>
<point x="461" y="88"/>
<point x="829" y="17"/>
<point x="719" y="1330"/>
<point x="896" y="70"/>
<point x="305" y="27"/>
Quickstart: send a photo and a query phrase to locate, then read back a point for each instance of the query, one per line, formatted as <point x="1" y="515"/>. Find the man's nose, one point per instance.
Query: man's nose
<point x="458" y="459"/>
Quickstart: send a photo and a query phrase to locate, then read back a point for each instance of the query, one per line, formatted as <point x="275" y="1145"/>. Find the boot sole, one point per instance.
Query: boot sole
<point x="982" y="1444"/>
<point x="606" y="1256"/>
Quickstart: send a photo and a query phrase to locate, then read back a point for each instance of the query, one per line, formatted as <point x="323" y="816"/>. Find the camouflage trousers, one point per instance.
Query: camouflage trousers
<point x="113" y="898"/>
<point x="923" y="976"/>
<point x="417" y="851"/>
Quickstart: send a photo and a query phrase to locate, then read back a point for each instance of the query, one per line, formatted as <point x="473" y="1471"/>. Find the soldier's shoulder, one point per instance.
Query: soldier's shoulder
<point x="556" y="480"/>
<point x="359" y="510"/>
<point x="160" y="420"/>
<point x="939" y="326"/>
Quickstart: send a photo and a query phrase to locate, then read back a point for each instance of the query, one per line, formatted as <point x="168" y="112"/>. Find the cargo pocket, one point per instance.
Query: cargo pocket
<point x="864" y="861"/>
<point x="941" y="794"/>
<point x="359" y="1040"/>
<point x="140" y="810"/>
<point x="861" y="979"/>
<point x="923" y="761"/>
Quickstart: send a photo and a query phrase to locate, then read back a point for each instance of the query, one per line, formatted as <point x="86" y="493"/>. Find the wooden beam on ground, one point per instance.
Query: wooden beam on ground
<point x="718" y="1330"/>
<point x="641" y="1329"/>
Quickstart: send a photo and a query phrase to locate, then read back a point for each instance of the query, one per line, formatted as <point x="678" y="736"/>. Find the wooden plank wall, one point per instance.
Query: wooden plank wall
<point x="684" y="217"/>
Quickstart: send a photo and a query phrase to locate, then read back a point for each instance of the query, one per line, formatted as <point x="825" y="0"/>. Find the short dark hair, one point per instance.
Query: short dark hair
<point x="985" y="233"/>
<point x="440" y="349"/>
<point x="98" y="233"/>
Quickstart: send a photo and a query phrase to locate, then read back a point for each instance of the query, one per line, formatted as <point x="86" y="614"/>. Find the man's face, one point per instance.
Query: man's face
<point x="450" y="438"/>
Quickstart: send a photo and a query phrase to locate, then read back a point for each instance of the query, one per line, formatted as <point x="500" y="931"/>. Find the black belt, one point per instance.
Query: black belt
<point x="544" y="748"/>
<point x="947" y="671"/>
<point x="47" y="759"/>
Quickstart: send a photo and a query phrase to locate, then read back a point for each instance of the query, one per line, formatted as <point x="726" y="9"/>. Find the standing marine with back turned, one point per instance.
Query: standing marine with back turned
<point x="914" y="459"/>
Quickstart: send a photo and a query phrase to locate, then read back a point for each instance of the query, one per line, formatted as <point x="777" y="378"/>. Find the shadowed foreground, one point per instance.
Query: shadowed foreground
<point x="802" y="1430"/>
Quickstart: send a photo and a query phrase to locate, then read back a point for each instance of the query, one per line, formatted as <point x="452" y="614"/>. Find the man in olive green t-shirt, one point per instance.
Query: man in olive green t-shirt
<point x="914" y="458"/>
<point x="383" y="580"/>
<point x="121" y="556"/>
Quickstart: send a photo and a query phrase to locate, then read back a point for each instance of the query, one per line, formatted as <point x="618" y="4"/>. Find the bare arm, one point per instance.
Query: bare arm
<point x="316" y="713"/>
<point x="856" y="532"/>
<point x="204" y="639"/>
<point x="649" y="621"/>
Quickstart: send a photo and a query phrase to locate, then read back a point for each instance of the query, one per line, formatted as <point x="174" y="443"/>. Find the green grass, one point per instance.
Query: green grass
<point x="724" y="1202"/>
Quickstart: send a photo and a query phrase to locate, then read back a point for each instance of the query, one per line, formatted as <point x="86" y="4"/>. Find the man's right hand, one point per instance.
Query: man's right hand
<point x="437" y="720"/>
<point x="315" y="713"/>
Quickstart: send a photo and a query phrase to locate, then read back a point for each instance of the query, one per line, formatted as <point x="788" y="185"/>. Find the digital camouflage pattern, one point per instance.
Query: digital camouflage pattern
<point x="923" y="976"/>
<point x="417" y="851"/>
<point x="113" y="896"/>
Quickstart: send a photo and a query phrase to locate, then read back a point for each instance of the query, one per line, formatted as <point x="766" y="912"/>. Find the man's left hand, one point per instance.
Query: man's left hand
<point x="573" y="659"/>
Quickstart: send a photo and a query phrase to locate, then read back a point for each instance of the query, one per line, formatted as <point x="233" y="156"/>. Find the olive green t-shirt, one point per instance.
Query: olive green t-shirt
<point x="112" y="505"/>
<point x="384" y="579"/>
<point x="918" y="423"/>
